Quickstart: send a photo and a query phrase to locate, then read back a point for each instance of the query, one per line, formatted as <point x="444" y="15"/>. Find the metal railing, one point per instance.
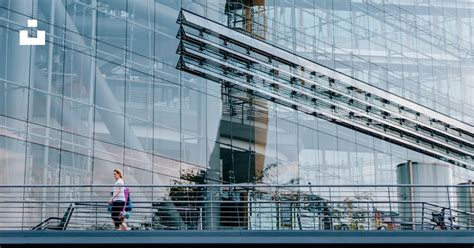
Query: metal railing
<point x="241" y="207"/>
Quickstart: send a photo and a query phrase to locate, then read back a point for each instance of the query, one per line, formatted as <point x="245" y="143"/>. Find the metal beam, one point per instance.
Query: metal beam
<point x="191" y="237"/>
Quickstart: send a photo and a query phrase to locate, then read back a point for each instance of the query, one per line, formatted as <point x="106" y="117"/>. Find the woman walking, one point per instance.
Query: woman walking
<point x="118" y="201"/>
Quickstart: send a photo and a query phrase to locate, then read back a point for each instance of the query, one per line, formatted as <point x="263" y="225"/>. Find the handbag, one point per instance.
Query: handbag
<point x="125" y="214"/>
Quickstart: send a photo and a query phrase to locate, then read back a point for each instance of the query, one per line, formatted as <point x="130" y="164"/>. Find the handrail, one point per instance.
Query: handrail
<point x="243" y="185"/>
<point x="63" y="222"/>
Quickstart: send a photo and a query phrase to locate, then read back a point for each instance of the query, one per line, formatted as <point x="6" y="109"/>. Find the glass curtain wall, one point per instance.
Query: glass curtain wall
<point x="418" y="49"/>
<point x="104" y="92"/>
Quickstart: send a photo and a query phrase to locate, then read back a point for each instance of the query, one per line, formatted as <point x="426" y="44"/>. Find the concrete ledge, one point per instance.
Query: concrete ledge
<point x="235" y="237"/>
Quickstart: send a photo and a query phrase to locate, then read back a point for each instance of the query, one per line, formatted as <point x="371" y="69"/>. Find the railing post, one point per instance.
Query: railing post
<point x="450" y="210"/>
<point x="412" y="194"/>
<point x="368" y="215"/>
<point x="422" y="215"/>
<point x="200" y="219"/>
<point x="271" y="207"/>
<point x="151" y="205"/>
<point x="212" y="208"/>
<point x="277" y="204"/>
<point x="329" y="218"/>
<point x="249" y="211"/>
<point x="389" y="199"/>
<point x="469" y="219"/>
<point x="96" y="212"/>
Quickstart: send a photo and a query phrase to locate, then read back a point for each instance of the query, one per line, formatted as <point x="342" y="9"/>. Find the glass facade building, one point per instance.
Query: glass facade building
<point x="113" y="87"/>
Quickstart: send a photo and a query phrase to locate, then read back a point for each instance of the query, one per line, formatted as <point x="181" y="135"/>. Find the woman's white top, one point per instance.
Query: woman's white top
<point x="121" y="195"/>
